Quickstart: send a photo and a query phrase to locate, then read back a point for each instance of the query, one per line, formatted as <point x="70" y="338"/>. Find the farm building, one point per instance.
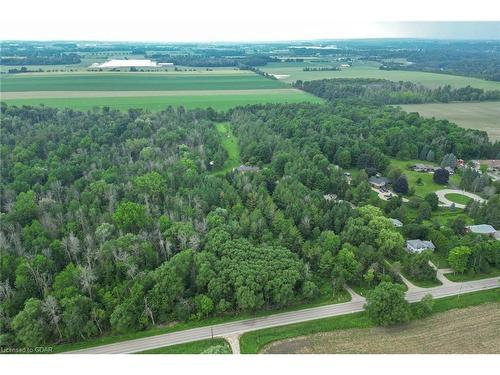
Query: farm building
<point x="145" y="63"/>
<point x="378" y="182"/>
<point x="485" y="229"/>
<point x="417" y="246"/>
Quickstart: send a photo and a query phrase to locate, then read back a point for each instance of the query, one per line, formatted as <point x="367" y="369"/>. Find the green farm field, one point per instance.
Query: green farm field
<point x="135" y="82"/>
<point x="218" y="100"/>
<point x="478" y="115"/>
<point x="294" y="72"/>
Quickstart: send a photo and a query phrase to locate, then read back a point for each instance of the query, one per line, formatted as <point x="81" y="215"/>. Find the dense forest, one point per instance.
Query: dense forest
<point x="209" y="60"/>
<point x="380" y="91"/>
<point x="481" y="64"/>
<point x="114" y="222"/>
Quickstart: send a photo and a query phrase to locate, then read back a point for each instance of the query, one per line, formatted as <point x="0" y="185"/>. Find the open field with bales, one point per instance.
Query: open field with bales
<point x="293" y="71"/>
<point x="459" y="331"/>
<point x="478" y="115"/>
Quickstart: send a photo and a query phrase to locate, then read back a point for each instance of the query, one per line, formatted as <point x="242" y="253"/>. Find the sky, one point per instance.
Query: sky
<point x="256" y="20"/>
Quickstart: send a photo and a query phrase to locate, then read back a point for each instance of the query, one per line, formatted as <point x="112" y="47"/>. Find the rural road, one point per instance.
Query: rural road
<point x="275" y="320"/>
<point x="447" y="203"/>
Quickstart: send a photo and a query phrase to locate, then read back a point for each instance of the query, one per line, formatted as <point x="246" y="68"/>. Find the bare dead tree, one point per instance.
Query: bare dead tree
<point x="53" y="311"/>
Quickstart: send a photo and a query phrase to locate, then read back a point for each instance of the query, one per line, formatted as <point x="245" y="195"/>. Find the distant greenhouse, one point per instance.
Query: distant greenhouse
<point x="140" y="63"/>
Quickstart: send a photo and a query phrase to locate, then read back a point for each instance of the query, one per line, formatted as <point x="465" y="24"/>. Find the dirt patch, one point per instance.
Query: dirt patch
<point x="474" y="330"/>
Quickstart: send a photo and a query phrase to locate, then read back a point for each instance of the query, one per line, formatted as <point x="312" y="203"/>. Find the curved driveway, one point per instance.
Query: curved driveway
<point x="241" y="326"/>
<point x="447" y="203"/>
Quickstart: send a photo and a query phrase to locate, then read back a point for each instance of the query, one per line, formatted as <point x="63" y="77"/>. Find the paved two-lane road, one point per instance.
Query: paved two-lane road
<point x="241" y="326"/>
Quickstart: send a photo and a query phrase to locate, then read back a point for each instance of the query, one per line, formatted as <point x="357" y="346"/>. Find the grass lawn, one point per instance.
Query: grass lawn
<point x="195" y="347"/>
<point x="326" y="297"/>
<point x="218" y="100"/>
<point x="442" y="215"/>
<point x="230" y="144"/>
<point x="427" y="185"/>
<point x="439" y="260"/>
<point x="253" y="342"/>
<point x="458" y="277"/>
<point x="474" y="115"/>
<point x="423" y="283"/>
<point x="458" y="198"/>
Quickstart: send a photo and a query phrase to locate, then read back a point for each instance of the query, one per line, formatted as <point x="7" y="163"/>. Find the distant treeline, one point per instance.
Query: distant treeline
<point x="450" y="62"/>
<point x="381" y="92"/>
<point x="23" y="69"/>
<point x="212" y="61"/>
<point x="38" y="59"/>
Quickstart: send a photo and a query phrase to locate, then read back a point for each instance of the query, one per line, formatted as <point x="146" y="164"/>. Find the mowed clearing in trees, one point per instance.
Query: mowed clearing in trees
<point x="460" y="331"/>
<point x="220" y="90"/>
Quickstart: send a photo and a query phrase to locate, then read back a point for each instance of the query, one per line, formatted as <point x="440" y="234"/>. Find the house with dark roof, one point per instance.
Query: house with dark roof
<point x="422" y="168"/>
<point x="378" y="182"/>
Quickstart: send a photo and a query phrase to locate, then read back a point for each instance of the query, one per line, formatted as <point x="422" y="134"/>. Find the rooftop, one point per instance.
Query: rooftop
<point x="381" y="181"/>
<point x="146" y="63"/>
<point x="482" y="229"/>
<point x="247" y="168"/>
<point x="419" y="244"/>
<point x="396" y="222"/>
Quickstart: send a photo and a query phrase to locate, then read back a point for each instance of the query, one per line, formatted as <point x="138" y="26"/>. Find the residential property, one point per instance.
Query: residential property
<point x="378" y="182"/>
<point x="246" y="168"/>
<point x="493" y="165"/>
<point x="396" y="222"/>
<point x="485" y="229"/>
<point x="417" y="246"/>
<point x="423" y="168"/>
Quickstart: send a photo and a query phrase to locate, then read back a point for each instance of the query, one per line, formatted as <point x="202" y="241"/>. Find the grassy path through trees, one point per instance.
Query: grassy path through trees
<point x="230" y="143"/>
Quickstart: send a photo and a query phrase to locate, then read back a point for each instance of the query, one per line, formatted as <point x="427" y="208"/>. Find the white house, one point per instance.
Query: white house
<point x="417" y="246"/>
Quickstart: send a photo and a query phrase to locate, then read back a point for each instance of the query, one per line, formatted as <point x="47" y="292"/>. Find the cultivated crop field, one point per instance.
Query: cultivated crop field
<point x="294" y="72"/>
<point x="135" y="81"/>
<point x="220" y="90"/>
<point x="470" y="330"/>
<point x="478" y="115"/>
<point x="219" y="100"/>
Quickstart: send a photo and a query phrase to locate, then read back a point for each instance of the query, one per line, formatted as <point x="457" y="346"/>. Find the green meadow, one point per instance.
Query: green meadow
<point x="135" y="82"/>
<point x="217" y="100"/>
